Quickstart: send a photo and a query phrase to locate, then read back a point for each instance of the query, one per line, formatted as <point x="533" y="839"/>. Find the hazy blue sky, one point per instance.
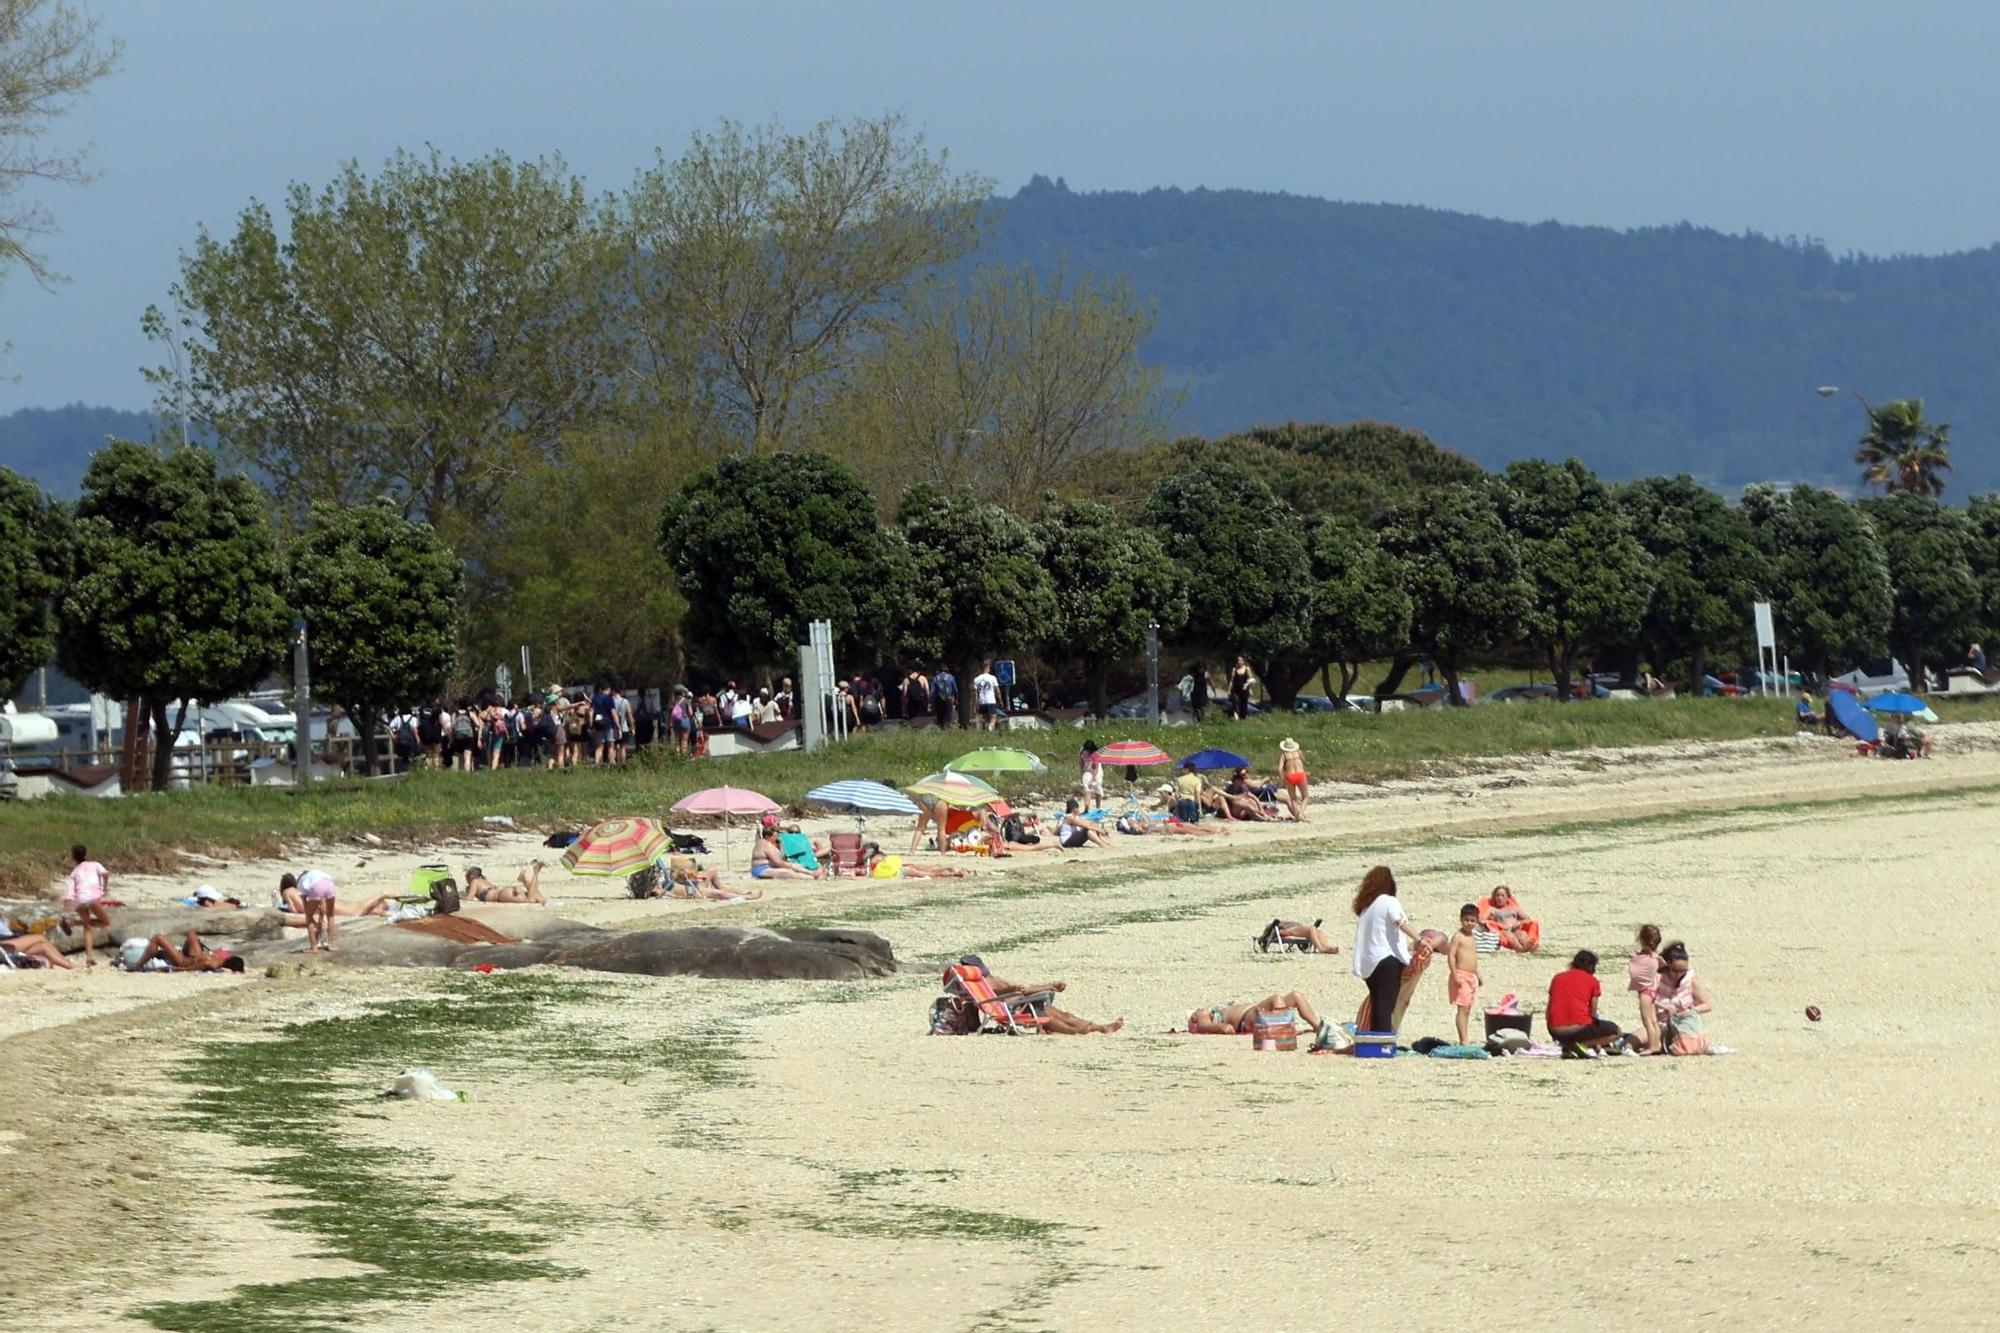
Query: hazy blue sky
<point x="1867" y="124"/>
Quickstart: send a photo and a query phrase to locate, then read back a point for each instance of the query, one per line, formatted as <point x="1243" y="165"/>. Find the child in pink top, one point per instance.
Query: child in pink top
<point x="1643" y="971"/>
<point x="84" y="898"/>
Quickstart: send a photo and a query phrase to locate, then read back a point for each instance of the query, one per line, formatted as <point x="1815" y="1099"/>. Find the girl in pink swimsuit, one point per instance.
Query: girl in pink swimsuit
<point x="1643" y="979"/>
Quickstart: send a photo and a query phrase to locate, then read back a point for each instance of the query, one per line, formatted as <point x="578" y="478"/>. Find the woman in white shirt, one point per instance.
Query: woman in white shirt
<point x="1382" y="939"/>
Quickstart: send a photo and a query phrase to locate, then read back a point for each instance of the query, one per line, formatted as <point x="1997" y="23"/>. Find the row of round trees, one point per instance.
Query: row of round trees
<point x="1544" y="558"/>
<point x="165" y="583"/>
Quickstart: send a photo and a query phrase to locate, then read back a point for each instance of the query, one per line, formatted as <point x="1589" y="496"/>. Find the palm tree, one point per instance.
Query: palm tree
<point x="1903" y="452"/>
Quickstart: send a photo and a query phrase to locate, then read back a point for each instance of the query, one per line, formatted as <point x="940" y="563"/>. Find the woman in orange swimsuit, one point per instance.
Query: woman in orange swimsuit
<point x="1292" y="771"/>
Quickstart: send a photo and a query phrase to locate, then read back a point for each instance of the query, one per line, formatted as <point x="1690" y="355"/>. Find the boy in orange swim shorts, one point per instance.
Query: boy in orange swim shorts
<point x="1463" y="956"/>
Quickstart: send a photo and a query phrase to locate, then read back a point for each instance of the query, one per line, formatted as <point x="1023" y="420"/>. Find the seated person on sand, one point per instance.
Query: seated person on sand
<point x="879" y="865"/>
<point x="30" y="944"/>
<point x="1055" y="1020"/>
<point x="768" y="861"/>
<point x="1170" y="801"/>
<point x="1281" y="932"/>
<point x="1681" y="1003"/>
<point x="1809" y="717"/>
<point x="1231" y="1017"/>
<point x="697" y="881"/>
<point x="1244" y="799"/>
<point x="1074" y="831"/>
<point x="802" y="851"/>
<point x="526" y="888"/>
<point x="1900" y="740"/>
<point x="195" y="957"/>
<point x="1500" y="912"/>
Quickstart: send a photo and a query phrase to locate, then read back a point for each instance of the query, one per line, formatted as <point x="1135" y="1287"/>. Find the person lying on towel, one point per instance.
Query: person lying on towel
<point x="1230" y="1017"/>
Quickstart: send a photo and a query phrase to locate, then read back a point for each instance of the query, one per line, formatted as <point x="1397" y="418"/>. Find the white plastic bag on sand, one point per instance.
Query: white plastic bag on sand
<point x="421" y="1085"/>
<point x="499" y="821"/>
<point x="129" y="952"/>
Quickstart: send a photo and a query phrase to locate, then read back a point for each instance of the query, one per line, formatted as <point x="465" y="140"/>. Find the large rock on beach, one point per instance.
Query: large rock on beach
<point x="249" y="925"/>
<point x="728" y="952"/>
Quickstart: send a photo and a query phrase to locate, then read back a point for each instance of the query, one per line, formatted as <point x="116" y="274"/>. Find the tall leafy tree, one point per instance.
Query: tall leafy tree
<point x="981" y="582"/>
<point x="32" y="554"/>
<point x="1829" y="581"/>
<point x="1360" y="608"/>
<point x="1902" y="450"/>
<point x="1010" y="383"/>
<point x="1983" y="555"/>
<point x="1110" y="581"/>
<point x="1707" y="570"/>
<point x="1591" y="577"/>
<point x="177" y="593"/>
<point x="777" y="252"/>
<point x="50" y="53"/>
<point x="380" y="597"/>
<point x="1469" y="591"/>
<point x="1249" y="570"/>
<point x="422" y="332"/>
<point x="1934" y="596"/>
<point x="762" y="545"/>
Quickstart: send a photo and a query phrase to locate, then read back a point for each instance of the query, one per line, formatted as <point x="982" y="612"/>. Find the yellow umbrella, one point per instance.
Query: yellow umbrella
<point x="960" y="789"/>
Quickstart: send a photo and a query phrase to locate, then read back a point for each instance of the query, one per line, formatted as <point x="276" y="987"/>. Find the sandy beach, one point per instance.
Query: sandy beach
<point x="686" y="1154"/>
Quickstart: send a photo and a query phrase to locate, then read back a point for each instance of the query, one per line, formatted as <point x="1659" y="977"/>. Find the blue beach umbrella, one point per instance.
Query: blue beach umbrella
<point x="1205" y="759"/>
<point x="1897" y="702"/>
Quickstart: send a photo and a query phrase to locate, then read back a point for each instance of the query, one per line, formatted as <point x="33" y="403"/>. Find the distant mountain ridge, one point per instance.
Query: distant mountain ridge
<point x="52" y="445"/>
<point x="1659" y="350"/>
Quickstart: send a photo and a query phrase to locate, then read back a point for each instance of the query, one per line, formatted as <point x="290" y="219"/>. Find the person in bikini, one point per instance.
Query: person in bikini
<point x="768" y="861"/>
<point x="1281" y="932"/>
<point x="195" y="957"/>
<point x="526" y="888"/>
<point x="1292" y="773"/>
<point x="1232" y="1017"/>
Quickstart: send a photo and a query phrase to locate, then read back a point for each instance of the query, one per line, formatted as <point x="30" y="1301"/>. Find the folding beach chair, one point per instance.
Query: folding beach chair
<point x="1017" y="1015"/>
<point x="847" y="856"/>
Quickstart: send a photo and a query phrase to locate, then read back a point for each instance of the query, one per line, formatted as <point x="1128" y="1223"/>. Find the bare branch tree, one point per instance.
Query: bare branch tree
<point x="50" y="52"/>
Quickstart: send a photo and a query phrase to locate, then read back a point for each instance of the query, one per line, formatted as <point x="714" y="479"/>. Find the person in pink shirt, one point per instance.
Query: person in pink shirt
<point x="84" y="898"/>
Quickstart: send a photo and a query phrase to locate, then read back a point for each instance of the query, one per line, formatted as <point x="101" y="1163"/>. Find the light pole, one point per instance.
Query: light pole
<point x="1829" y="390"/>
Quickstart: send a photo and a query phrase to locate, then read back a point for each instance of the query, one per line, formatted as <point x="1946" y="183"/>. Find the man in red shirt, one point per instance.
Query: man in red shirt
<point x="1572" y="1013"/>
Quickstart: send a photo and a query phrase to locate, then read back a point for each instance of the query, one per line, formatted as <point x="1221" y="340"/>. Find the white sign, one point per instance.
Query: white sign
<point x="1767" y="634"/>
<point x="503" y="680"/>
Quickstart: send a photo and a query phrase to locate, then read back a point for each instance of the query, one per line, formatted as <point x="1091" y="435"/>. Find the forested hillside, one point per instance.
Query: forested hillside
<point x="1656" y="351"/>
<point x="1651" y="351"/>
<point x="53" y="445"/>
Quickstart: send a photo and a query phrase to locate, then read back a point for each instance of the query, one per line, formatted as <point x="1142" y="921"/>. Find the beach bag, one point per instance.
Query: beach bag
<point x="1486" y="941"/>
<point x="1274" y="1032"/>
<point x="129" y="953"/>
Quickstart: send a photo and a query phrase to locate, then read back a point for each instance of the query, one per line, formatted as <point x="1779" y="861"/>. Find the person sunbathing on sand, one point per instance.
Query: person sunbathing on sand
<point x="196" y="957"/>
<point x="1229" y="1016"/>
<point x="1281" y="931"/>
<point x="1141" y="825"/>
<point x="526" y="888"/>
<point x="29" y="944"/>
<point x="1054" y="1020"/>
<point x="881" y="866"/>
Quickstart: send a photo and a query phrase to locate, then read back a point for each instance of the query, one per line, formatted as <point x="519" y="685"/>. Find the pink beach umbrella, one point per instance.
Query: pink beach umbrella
<point x="725" y="801"/>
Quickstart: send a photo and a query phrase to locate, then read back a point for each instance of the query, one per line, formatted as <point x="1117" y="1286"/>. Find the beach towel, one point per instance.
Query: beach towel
<point x="460" y="928"/>
<point x="1459" y="1053"/>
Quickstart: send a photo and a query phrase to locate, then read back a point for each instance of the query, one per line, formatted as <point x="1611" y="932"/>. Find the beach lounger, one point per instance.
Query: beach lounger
<point x="1016" y="1015"/>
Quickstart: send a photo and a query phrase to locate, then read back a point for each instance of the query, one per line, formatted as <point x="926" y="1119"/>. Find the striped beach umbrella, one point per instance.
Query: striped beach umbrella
<point x="861" y="796"/>
<point x="997" y="761"/>
<point x="1133" y="754"/>
<point x="960" y="789"/>
<point x="616" y="847"/>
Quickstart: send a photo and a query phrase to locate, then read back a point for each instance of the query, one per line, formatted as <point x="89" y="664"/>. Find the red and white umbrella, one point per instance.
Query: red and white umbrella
<point x="1133" y="754"/>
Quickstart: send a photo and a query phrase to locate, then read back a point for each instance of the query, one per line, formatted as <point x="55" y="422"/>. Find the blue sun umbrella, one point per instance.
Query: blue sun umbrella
<point x="1897" y="702"/>
<point x="1207" y="759"/>
<point x="861" y="797"/>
